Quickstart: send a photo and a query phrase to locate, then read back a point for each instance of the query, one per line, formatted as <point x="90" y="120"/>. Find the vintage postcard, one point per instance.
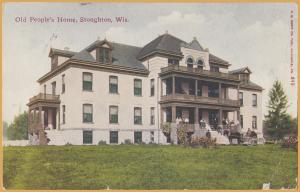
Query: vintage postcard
<point x="187" y="96"/>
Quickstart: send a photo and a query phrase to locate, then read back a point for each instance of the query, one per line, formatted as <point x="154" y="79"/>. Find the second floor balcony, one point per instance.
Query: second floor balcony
<point x="187" y="90"/>
<point x="42" y="99"/>
<point x="199" y="100"/>
<point x="198" y="72"/>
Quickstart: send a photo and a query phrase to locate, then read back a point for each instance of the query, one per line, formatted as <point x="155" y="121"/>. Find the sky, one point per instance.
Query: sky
<point x="257" y="35"/>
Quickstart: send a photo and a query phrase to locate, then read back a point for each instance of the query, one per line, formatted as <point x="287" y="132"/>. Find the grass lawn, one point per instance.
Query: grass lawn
<point x="148" y="167"/>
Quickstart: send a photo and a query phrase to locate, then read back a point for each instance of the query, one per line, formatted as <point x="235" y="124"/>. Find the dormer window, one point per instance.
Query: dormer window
<point x="104" y="55"/>
<point x="190" y="62"/>
<point x="244" y="77"/>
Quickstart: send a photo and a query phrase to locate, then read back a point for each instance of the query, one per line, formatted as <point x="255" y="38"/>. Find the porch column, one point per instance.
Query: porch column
<point x="40" y="117"/>
<point x="29" y="121"/>
<point x="238" y="116"/>
<point x="238" y="91"/>
<point x="196" y="115"/>
<point x="220" y="117"/>
<point x="173" y="85"/>
<point x="58" y="121"/>
<point x="220" y="91"/>
<point x="196" y="87"/>
<point x="173" y="114"/>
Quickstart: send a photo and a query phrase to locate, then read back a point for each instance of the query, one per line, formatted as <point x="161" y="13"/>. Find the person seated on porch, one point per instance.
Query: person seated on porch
<point x="224" y="122"/>
<point x="178" y="120"/>
<point x="248" y="132"/>
<point x="202" y="124"/>
<point x="208" y="135"/>
<point x="186" y="120"/>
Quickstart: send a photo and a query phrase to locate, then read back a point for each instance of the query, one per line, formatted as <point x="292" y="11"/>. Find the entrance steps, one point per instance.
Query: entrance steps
<point x="56" y="137"/>
<point x="221" y="139"/>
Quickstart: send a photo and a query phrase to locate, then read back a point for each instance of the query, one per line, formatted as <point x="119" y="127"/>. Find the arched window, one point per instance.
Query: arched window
<point x="200" y="63"/>
<point x="190" y="62"/>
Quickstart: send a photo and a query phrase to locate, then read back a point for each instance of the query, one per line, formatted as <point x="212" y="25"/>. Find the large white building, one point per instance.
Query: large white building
<point x="114" y="92"/>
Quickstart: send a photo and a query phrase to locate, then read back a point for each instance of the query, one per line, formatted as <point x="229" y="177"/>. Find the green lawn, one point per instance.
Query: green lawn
<point x="148" y="167"/>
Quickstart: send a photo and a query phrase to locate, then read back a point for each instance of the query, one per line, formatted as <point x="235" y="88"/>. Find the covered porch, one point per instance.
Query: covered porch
<point x="195" y="115"/>
<point x="43" y="114"/>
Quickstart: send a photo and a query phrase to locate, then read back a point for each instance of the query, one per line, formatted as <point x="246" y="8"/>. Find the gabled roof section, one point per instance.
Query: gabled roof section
<point x="98" y="43"/>
<point x="165" y="43"/>
<point x="241" y="70"/>
<point x="60" y="52"/>
<point x="83" y="56"/>
<point x="126" y="55"/>
<point x="122" y="55"/>
<point x="194" y="45"/>
<point x="250" y="85"/>
<point x="217" y="60"/>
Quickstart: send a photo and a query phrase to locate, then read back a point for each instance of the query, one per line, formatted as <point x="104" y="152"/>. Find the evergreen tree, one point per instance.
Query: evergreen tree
<point x="17" y="130"/>
<point x="278" y="122"/>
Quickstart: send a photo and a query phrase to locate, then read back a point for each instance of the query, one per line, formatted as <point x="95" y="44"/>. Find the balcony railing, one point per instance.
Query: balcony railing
<point x="177" y="68"/>
<point x="42" y="96"/>
<point x="200" y="99"/>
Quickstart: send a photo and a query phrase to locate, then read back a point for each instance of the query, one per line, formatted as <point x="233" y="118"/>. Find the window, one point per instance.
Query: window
<point x="63" y="85"/>
<point x="87" y="113"/>
<point x="113" y="84"/>
<point x="152" y="117"/>
<point x="138" y="87"/>
<point x="137" y="116"/>
<point x="53" y="88"/>
<point x="152" y="87"/>
<point x="87" y="137"/>
<point x="190" y="62"/>
<point x="87" y="84"/>
<point x="254" y="100"/>
<point x="241" y="121"/>
<point x="104" y="55"/>
<point x="241" y="98"/>
<point x="213" y="91"/>
<point x="45" y="88"/>
<point x="63" y="114"/>
<point x="113" y="114"/>
<point x="214" y="68"/>
<point x="137" y="137"/>
<point x="200" y="64"/>
<point x="254" y="122"/>
<point x="173" y="61"/>
<point x="152" y="137"/>
<point x="113" y="137"/>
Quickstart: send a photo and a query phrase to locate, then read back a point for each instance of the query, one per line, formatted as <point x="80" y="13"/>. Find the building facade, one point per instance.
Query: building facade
<point x="116" y="93"/>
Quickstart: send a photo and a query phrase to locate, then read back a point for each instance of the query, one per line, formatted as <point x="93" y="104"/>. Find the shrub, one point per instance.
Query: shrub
<point x="290" y="142"/>
<point x="206" y="142"/>
<point x="166" y="128"/>
<point x="127" y="142"/>
<point x="181" y="134"/>
<point x="101" y="142"/>
<point x="68" y="144"/>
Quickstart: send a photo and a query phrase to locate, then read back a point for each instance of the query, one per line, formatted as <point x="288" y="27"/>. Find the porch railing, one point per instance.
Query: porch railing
<point x="43" y="96"/>
<point x="199" y="71"/>
<point x="200" y="99"/>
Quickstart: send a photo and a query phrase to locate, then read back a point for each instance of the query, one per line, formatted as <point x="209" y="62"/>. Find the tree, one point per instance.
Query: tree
<point x="5" y="127"/>
<point x="278" y="123"/>
<point x="17" y="130"/>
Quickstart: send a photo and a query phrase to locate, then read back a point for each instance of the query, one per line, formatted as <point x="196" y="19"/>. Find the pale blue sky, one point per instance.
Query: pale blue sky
<point x="245" y="34"/>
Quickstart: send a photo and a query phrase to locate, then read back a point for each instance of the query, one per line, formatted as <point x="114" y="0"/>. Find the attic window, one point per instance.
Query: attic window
<point x="190" y="62"/>
<point x="200" y="64"/>
<point x="104" y="55"/>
